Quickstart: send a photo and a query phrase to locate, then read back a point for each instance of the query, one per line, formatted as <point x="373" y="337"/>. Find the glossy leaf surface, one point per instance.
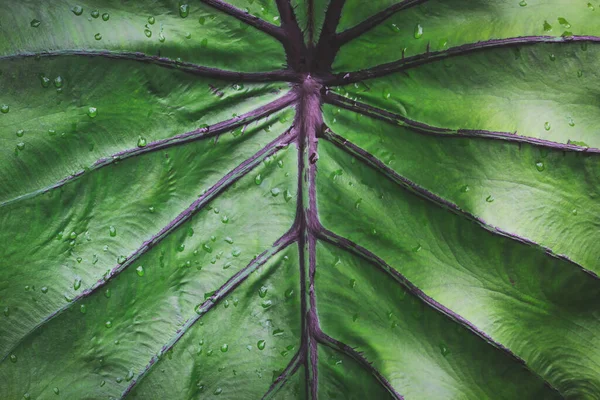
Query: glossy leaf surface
<point x="299" y="199"/>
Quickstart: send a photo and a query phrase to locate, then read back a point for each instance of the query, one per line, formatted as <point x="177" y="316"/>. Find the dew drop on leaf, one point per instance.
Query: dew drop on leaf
<point x="275" y="192"/>
<point x="148" y="33"/>
<point x="108" y="324"/>
<point x="129" y="376"/>
<point x="418" y="31"/>
<point x="56" y="391"/>
<point x="95" y="14"/>
<point x="98" y="36"/>
<point x="13" y="358"/>
<point x="522" y="3"/>
<point x="141" y="142"/>
<point x="547" y="26"/>
<point x="77" y="10"/>
<point x="151" y="20"/>
<point x="77" y="284"/>
<point x="4" y="108"/>
<point x="35" y="23"/>
<point x="83" y="308"/>
<point x="224" y="348"/>
<point x="44" y="289"/>
<point x="261" y="344"/>
<point x="564" y="22"/>
<point x="287" y="195"/>
<point x="289" y="293"/>
<point x="394" y="28"/>
<point x="92" y="112"/>
<point x="112" y="231"/>
<point x="201" y="20"/>
<point x="490" y="199"/>
<point x="140" y="270"/>
<point x="161" y="37"/>
<point x="258" y="179"/>
<point x="184" y="10"/>
<point x="540" y="166"/>
<point x="105" y="17"/>
<point x="547" y="126"/>
<point x="218" y="391"/>
<point x="107" y="293"/>
<point x="262" y="292"/>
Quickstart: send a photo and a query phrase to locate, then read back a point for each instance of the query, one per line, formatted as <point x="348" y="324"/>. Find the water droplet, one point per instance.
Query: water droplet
<point x="418" y="31"/>
<point x="56" y="391"/>
<point x="564" y="22"/>
<point x="141" y="142"/>
<point x="237" y="86"/>
<point x="92" y="112"/>
<point x="107" y="293"/>
<point x="112" y="231"/>
<point x="262" y="291"/>
<point x="489" y="199"/>
<point x="108" y="324"/>
<point x="394" y="28"/>
<point x="201" y="20"/>
<point x="105" y="17"/>
<point x="571" y="121"/>
<point x="258" y="179"/>
<point x="27" y="396"/>
<point x="188" y="35"/>
<point x="140" y="270"/>
<point x="20" y="146"/>
<point x="151" y="209"/>
<point x="287" y="196"/>
<point x="207" y="248"/>
<point x="95" y="13"/>
<point x="387" y="93"/>
<point x="161" y="37"/>
<point x="148" y="32"/>
<point x="98" y="36"/>
<point x="13" y="358"/>
<point x="73" y="235"/>
<point x="266" y="304"/>
<point x="540" y="166"/>
<point x="20" y="133"/>
<point x="151" y="20"/>
<point x="184" y="10"/>
<point x="218" y="391"/>
<point x="77" y="283"/>
<point x="275" y="192"/>
<point x="83" y="308"/>
<point x="45" y="81"/>
<point x="35" y="23"/>
<point x="129" y="376"/>
<point x="289" y="293"/>
<point x="77" y="10"/>
<point x="352" y="283"/>
<point x="44" y="289"/>
<point x="4" y="108"/>
<point x="547" y="26"/>
<point x="224" y="348"/>
<point x="552" y="57"/>
<point x="236" y="252"/>
<point x="444" y="350"/>
<point x="121" y="259"/>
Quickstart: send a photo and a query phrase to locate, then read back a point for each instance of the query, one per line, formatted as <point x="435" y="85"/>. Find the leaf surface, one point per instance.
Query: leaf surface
<point x="299" y="199"/>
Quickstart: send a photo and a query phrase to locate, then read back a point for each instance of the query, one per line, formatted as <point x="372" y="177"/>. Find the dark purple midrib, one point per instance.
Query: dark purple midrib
<point x="191" y="68"/>
<point x="420" y="127"/>
<point x="371" y="258"/>
<point x="371" y="22"/>
<point x="344" y="78"/>
<point x="202" y="133"/>
<point x="225" y="182"/>
<point x="373" y="162"/>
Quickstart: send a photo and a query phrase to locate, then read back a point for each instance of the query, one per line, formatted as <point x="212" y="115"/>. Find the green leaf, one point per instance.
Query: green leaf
<point x="299" y="199"/>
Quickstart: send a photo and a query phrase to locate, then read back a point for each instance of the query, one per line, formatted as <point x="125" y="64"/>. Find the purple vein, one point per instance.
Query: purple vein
<point x="380" y="264"/>
<point x="226" y="181"/>
<point x="248" y="18"/>
<point x="202" y="133"/>
<point x="295" y="49"/>
<point x="360" y="359"/>
<point x="370" y="160"/>
<point x="191" y="68"/>
<point x="282" y="379"/>
<point x="209" y="304"/>
<point x="371" y="22"/>
<point x="420" y="59"/>
<point x="419" y="127"/>
<point x="307" y="123"/>
<point x="327" y="48"/>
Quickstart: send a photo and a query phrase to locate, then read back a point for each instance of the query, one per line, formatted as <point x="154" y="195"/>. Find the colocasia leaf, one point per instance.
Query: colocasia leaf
<point x="299" y="199"/>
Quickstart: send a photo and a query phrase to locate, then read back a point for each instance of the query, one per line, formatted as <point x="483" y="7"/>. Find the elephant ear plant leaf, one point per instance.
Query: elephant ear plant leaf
<point x="299" y="199"/>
